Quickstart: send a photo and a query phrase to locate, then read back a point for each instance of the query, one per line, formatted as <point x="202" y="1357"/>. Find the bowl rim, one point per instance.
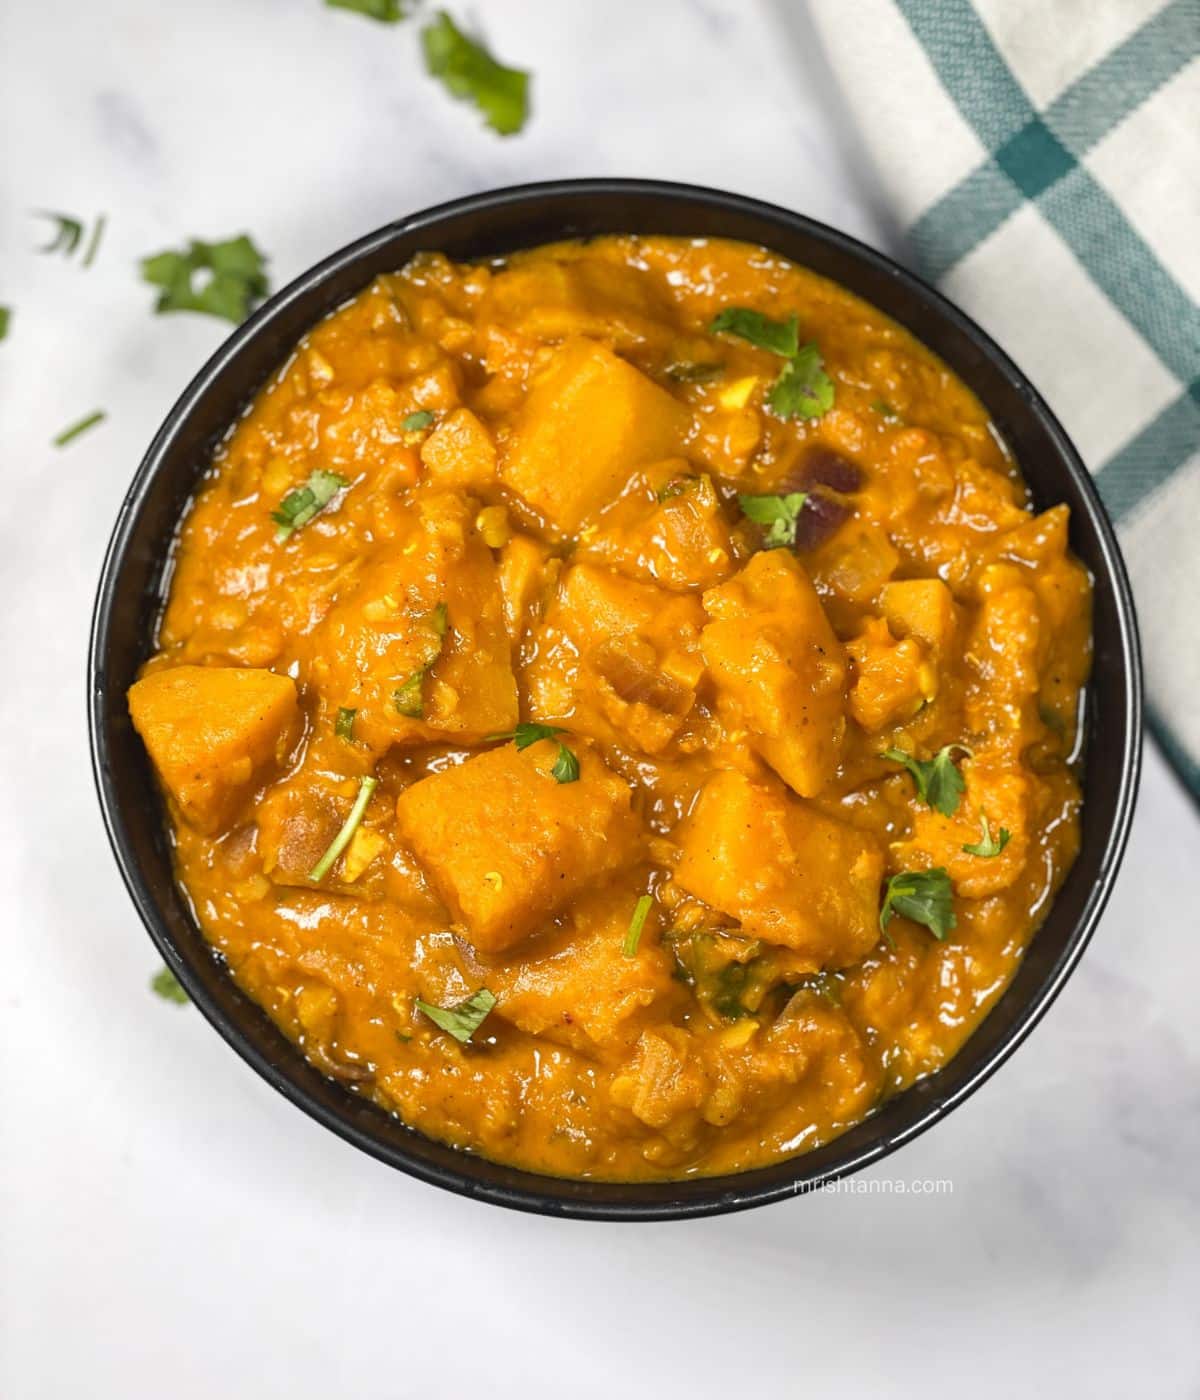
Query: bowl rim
<point x="530" y="1195"/>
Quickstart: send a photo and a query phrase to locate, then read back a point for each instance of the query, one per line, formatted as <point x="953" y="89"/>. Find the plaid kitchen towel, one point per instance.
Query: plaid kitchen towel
<point x="1043" y="158"/>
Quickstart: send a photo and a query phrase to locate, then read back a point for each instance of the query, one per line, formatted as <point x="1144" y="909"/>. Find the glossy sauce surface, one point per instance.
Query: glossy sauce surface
<point x="557" y="538"/>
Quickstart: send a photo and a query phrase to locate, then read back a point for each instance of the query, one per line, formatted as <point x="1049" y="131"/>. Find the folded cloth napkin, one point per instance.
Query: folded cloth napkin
<point x="1043" y="158"/>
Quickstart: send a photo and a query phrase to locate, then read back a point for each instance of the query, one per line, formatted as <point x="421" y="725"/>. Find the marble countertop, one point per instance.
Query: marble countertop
<point x="168" y="1224"/>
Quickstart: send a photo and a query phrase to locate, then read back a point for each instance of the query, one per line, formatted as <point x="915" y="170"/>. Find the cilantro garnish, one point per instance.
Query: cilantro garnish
<point x="236" y="278"/>
<point x="778" y="513"/>
<point x="415" y="422"/>
<point x="344" y="724"/>
<point x="636" y="924"/>
<point x="471" y="73"/>
<point x="803" y="389"/>
<point x="988" y="845"/>
<point x="409" y="698"/>
<point x="166" y="985"/>
<point x="385" y="11"/>
<point x="305" y="502"/>
<point x="692" y="371"/>
<point x="779" y="337"/>
<point x="5" y="319"/>
<point x="464" y="1019"/>
<point x="77" y="429"/>
<point x="566" y="765"/>
<point x="349" y="827"/>
<point x="68" y="235"/>
<point x="939" y="783"/>
<point x="924" y="896"/>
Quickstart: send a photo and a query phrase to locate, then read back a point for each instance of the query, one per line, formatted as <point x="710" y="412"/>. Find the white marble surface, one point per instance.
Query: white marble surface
<point x="169" y="1225"/>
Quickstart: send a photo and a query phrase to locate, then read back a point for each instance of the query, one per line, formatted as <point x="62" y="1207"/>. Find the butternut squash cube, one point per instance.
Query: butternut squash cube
<point x="788" y="874"/>
<point x="589" y="420"/>
<point x="779" y="670"/>
<point x="460" y="451"/>
<point x="211" y="732"/>
<point x="505" y="845"/>
<point x="923" y="608"/>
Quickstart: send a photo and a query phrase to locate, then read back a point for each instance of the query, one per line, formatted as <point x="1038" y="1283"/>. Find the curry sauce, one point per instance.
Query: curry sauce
<point x="617" y="707"/>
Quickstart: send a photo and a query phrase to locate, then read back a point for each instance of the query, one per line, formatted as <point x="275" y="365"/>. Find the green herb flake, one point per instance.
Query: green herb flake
<point x="385" y="11"/>
<point x="78" y="429"/>
<point x="408" y="698"/>
<point x="924" y="896"/>
<point x="349" y="827"/>
<point x="464" y="1019"/>
<point x="165" y="984"/>
<point x="636" y="925"/>
<point x="471" y="73"/>
<point x="938" y="781"/>
<point x="344" y="724"/>
<point x="233" y="278"/>
<point x="93" y="247"/>
<point x="779" y="337"/>
<point x="988" y="845"/>
<point x="566" y="765"/>
<point x="68" y="233"/>
<point x="305" y="502"/>
<point x="439" y="620"/>
<point x="417" y="422"/>
<point x="692" y="371"/>
<point x="5" y="320"/>
<point x="778" y="513"/>
<point x="885" y="410"/>
<point x="803" y="390"/>
<point x="677" y="486"/>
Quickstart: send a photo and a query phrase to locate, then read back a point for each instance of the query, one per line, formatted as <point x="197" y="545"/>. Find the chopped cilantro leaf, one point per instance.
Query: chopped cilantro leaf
<point x="301" y="505"/>
<point x="439" y="620"/>
<point x="349" y="827"/>
<point x="803" y="390"/>
<point x="416" y="422"/>
<point x="68" y="232"/>
<point x="344" y="724"/>
<point x="235" y="278"/>
<point x="408" y="698"/>
<point x="385" y="11"/>
<point x="78" y="429"/>
<point x="988" y="845"/>
<point x="566" y="766"/>
<point x="166" y="985"/>
<point x="692" y="371"/>
<point x="464" y="1019"/>
<point x="939" y="783"/>
<point x="924" y="896"/>
<point x="636" y="924"/>
<point x="5" y="320"/>
<point x="779" y="337"/>
<point x="471" y="73"/>
<point x="778" y="513"/>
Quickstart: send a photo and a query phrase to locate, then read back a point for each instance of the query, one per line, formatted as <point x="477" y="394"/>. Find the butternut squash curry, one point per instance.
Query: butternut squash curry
<point x="617" y="707"/>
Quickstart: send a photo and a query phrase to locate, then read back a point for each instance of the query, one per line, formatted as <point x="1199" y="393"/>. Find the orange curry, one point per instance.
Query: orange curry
<point x="617" y="707"/>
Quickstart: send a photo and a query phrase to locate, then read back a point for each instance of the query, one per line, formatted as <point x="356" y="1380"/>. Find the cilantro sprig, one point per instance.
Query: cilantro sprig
<point x="165" y="984"/>
<point x="778" y="513"/>
<point x="924" y="896"/>
<point x="343" y="726"/>
<point x="69" y="236"/>
<point x="469" y="72"/>
<point x="636" y="924"/>
<point x="463" y="1019"/>
<point x="566" y="765"/>
<point x="988" y="845"/>
<point x="803" y="389"/>
<point x="385" y="11"/>
<point x="220" y="279"/>
<point x="349" y="827"/>
<point x="938" y="781"/>
<point x="306" y="502"/>
<point x="78" y="429"/>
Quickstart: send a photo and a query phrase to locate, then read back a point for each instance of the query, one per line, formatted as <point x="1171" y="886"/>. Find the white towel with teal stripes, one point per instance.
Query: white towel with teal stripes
<point x="1043" y="158"/>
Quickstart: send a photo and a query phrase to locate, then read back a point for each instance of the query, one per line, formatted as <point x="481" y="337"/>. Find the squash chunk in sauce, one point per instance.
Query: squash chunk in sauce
<point x="591" y="678"/>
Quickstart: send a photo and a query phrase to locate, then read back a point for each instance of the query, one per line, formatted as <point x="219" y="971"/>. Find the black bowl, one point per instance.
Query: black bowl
<point x="134" y="576"/>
